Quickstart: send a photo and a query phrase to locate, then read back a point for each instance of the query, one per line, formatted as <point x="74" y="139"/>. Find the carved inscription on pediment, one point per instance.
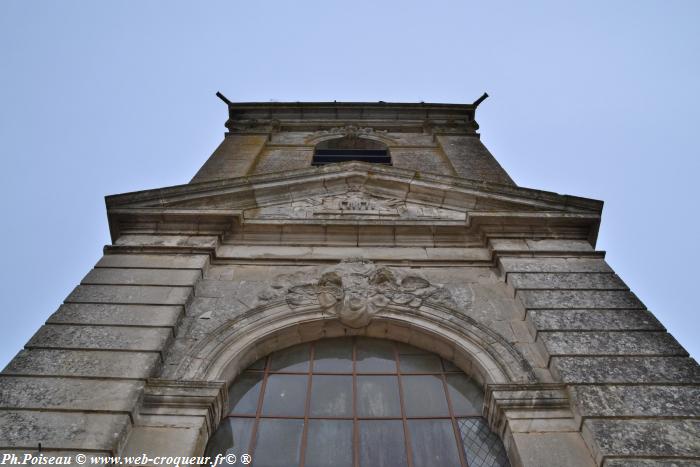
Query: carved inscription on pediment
<point x="353" y="204"/>
<point x="355" y="290"/>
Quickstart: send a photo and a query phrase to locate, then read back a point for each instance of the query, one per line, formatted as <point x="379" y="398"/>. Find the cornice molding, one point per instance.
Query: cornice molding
<point x="530" y="401"/>
<point x="206" y="399"/>
<point x="214" y="207"/>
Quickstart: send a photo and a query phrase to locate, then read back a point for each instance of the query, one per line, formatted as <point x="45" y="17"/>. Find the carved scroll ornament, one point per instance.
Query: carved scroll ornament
<point x="355" y="290"/>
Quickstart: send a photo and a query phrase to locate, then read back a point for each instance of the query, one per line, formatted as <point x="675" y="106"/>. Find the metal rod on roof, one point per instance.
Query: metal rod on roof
<point x="480" y="100"/>
<point x="223" y="98"/>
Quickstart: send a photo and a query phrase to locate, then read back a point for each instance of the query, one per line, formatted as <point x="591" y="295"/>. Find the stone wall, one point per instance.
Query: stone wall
<point x="456" y="155"/>
<point x="629" y="391"/>
<point x="78" y="383"/>
<point x="634" y="390"/>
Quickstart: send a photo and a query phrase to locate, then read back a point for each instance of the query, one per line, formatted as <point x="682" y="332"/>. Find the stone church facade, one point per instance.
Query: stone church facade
<point x="363" y="221"/>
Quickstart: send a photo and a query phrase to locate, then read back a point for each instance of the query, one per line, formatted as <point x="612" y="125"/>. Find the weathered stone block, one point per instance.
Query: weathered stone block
<point x="637" y="401"/>
<point x="217" y="289"/>
<point x="573" y="280"/>
<point x="154" y="261"/>
<point x="233" y="158"/>
<point x="68" y="393"/>
<point x="593" y="320"/>
<point x="508" y="244"/>
<point x="578" y="299"/>
<point x="558" y="245"/>
<point x="610" y="343"/>
<point x="105" y="314"/>
<point x="145" y="295"/>
<point x="426" y="160"/>
<point x="625" y="369"/>
<point x="644" y="438"/>
<point x="117" y="276"/>
<point x="101" y="337"/>
<point x="511" y="264"/>
<point x="26" y="429"/>
<point x="190" y="241"/>
<point x="650" y="463"/>
<point x="96" y="363"/>
<point x="376" y="235"/>
<point x="470" y="159"/>
<point x="552" y="450"/>
<point x="283" y="159"/>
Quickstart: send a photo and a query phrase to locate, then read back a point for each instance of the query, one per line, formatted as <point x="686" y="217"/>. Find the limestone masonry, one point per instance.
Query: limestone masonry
<point x="279" y="240"/>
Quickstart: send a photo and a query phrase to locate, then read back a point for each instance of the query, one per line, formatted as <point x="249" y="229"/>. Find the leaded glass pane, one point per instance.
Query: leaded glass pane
<point x="355" y="405"/>
<point x="449" y="366"/>
<point x="378" y="396"/>
<point x="293" y="359"/>
<point x="278" y="443"/>
<point x="465" y="395"/>
<point x="243" y="395"/>
<point x="424" y="396"/>
<point x="420" y="364"/>
<point x="405" y="349"/>
<point x="333" y="356"/>
<point x="481" y="446"/>
<point x="375" y="356"/>
<point x="285" y="395"/>
<point x="258" y="365"/>
<point x="232" y="437"/>
<point x="331" y="395"/>
<point x="434" y="443"/>
<point x="382" y="443"/>
<point x="329" y="442"/>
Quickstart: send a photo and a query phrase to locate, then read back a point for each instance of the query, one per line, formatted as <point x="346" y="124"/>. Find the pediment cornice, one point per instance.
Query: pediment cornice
<point x="451" y="200"/>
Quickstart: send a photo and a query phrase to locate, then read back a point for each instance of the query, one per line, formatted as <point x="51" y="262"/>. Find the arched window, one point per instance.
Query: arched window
<point x="357" y="402"/>
<point x="350" y="148"/>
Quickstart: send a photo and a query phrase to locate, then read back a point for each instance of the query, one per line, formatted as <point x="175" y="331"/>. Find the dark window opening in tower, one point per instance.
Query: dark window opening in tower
<point x="350" y="148"/>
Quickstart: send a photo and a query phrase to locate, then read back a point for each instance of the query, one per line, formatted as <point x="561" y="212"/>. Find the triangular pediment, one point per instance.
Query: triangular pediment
<point x="353" y="204"/>
<point x="357" y="178"/>
<point x="356" y="192"/>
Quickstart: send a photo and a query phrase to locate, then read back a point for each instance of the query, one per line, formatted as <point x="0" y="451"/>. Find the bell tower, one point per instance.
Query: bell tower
<point x="363" y="236"/>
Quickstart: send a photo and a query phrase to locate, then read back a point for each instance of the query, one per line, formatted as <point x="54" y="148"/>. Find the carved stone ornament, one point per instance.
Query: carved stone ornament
<point x="351" y="131"/>
<point x="353" y="203"/>
<point x="355" y="290"/>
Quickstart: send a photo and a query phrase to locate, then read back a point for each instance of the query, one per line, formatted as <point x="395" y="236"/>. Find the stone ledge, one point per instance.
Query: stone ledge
<point x="592" y="320"/>
<point x="118" y="315"/>
<point x="642" y="438"/>
<point x="510" y="264"/>
<point x="620" y="370"/>
<point x="162" y="240"/>
<point x="55" y="393"/>
<point x="154" y="261"/>
<point x="636" y="401"/>
<point x="62" y="430"/>
<point x="83" y="363"/>
<point x="130" y="294"/>
<point x="655" y="462"/>
<point x="101" y="338"/>
<point x="578" y="299"/>
<point x="565" y="281"/>
<point x="142" y="276"/>
<point x="516" y="245"/>
<point x="593" y="343"/>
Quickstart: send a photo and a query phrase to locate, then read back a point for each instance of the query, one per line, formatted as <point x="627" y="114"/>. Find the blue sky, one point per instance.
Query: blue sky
<point x="594" y="98"/>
